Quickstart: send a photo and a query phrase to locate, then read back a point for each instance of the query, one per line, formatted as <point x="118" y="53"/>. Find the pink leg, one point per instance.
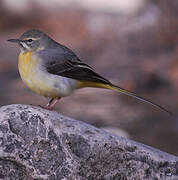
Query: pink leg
<point x="51" y="104"/>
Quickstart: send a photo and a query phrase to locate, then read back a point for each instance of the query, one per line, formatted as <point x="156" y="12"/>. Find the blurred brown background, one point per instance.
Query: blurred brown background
<point x="133" y="43"/>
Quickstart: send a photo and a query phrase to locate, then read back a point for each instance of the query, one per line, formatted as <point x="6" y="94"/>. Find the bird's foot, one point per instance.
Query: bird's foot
<point x="48" y="108"/>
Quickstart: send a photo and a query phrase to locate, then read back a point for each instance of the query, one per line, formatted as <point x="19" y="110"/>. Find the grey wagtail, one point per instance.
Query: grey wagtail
<point x="53" y="70"/>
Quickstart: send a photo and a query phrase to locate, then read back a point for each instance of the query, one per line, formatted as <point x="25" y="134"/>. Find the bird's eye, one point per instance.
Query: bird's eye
<point x="30" y="40"/>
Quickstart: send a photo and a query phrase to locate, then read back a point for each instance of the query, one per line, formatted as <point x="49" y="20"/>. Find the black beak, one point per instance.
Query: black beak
<point x="14" y="40"/>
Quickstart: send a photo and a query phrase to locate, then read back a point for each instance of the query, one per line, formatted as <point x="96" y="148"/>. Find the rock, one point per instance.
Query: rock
<point x="116" y="131"/>
<point x="40" y="144"/>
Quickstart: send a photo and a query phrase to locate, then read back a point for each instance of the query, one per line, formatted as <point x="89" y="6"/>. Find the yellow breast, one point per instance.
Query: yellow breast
<point x="25" y="65"/>
<point x="34" y="77"/>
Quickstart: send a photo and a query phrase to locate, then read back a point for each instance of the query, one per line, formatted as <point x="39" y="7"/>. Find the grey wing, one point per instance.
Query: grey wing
<point x="67" y="64"/>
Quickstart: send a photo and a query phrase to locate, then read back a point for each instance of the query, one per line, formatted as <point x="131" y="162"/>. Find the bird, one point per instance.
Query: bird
<point x="53" y="70"/>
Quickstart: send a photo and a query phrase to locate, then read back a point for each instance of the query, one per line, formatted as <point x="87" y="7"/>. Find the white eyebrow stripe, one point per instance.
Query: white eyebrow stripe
<point x="31" y="38"/>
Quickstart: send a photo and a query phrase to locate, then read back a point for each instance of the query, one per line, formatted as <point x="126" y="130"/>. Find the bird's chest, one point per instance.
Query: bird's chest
<point x="34" y="76"/>
<point x="29" y="69"/>
<point x="26" y="66"/>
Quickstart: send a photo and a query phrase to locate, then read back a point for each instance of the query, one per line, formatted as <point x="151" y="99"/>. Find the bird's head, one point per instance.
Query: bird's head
<point x="32" y="40"/>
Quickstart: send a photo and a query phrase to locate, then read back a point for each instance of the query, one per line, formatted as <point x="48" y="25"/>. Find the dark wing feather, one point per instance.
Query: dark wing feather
<point x="67" y="64"/>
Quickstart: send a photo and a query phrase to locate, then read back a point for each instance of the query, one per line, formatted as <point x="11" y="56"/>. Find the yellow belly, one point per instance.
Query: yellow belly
<point x="34" y="77"/>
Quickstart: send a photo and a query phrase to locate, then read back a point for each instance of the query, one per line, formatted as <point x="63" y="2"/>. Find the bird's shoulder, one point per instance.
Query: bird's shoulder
<point x="57" y="53"/>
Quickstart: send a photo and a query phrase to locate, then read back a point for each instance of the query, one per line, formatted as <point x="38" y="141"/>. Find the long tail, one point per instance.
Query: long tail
<point x="124" y="91"/>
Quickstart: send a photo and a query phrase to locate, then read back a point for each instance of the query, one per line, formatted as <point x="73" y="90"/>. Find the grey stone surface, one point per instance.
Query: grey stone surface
<point x="40" y="144"/>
